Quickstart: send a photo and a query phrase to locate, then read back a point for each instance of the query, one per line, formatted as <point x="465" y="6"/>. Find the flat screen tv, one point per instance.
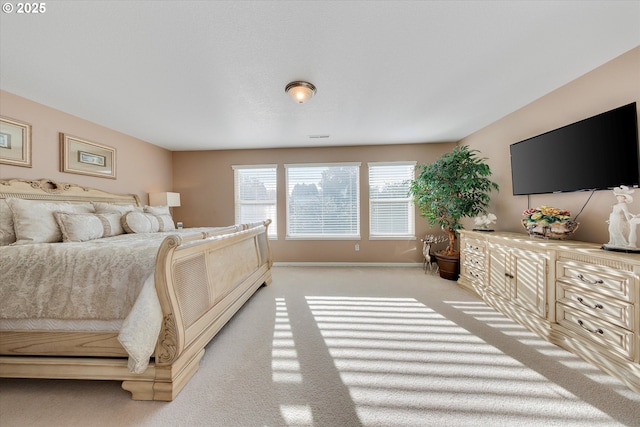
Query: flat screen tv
<point x="597" y="153"/>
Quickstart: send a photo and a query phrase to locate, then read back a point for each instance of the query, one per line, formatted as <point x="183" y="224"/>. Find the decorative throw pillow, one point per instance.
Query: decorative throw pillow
<point x="140" y="222"/>
<point x="163" y="214"/>
<point x="79" y="227"/>
<point x="33" y="220"/>
<point x="111" y="223"/>
<point x="110" y="208"/>
<point x="7" y="233"/>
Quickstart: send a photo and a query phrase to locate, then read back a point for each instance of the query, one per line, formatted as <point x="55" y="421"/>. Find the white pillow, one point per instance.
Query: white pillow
<point x="163" y="214"/>
<point x="140" y="222"/>
<point x="33" y="220"/>
<point x="102" y="207"/>
<point x="157" y="210"/>
<point x="79" y="227"/>
<point x="7" y="233"/>
<point x="83" y="207"/>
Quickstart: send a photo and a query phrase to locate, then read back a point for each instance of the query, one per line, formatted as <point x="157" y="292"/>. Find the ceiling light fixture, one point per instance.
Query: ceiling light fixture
<point x="300" y="91"/>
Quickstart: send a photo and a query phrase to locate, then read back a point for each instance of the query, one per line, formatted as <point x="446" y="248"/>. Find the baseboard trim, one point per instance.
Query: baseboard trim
<point x="348" y="264"/>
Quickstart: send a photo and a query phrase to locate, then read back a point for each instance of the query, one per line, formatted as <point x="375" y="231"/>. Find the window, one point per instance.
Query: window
<point x="391" y="211"/>
<point x="255" y="195"/>
<point x="323" y="201"/>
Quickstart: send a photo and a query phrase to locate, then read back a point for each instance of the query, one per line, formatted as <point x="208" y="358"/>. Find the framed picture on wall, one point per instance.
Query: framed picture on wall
<point x="15" y="142"/>
<point x="86" y="158"/>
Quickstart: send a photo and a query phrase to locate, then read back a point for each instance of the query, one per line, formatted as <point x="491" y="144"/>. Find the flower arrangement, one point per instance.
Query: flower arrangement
<point x="544" y="215"/>
<point x="484" y="221"/>
<point x="548" y="222"/>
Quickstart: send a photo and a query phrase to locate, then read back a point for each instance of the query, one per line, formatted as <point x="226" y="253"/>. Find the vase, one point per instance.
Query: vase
<point x="448" y="265"/>
<point x="556" y="231"/>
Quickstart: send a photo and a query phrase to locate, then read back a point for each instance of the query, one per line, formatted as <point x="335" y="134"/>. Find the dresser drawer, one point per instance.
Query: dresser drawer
<point x="474" y="254"/>
<point x="474" y="261"/>
<point x="618" y="312"/>
<point x="473" y="274"/>
<point x="612" y="337"/>
<point x="474" y="246"/>
<point x="598" y="279"/>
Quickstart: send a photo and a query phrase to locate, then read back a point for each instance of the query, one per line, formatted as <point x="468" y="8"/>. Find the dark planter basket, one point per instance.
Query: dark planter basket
<point x="448" y="265"/>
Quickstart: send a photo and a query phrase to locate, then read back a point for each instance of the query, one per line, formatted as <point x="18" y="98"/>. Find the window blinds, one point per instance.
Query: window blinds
<point x="255" y="195"/>
<point x="323" y="201"/>
<point x="391" y="210"/>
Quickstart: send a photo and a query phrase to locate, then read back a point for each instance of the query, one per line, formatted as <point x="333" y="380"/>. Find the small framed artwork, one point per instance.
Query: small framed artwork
<point x="86" y="158"/>
<point x="15" y="142"/>
<point x="5" y="140"/>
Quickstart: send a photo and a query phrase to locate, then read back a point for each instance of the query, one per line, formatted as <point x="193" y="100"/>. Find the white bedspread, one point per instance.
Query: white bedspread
<point x="102" y="279"/>
<point x="140" y="329"/>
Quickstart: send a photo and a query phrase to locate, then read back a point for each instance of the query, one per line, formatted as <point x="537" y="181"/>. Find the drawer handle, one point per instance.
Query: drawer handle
<point x="510" y="276"/>
<point x="596" y="331"/>
<point x="581" y="301"/>
<point x="591" y="282"/>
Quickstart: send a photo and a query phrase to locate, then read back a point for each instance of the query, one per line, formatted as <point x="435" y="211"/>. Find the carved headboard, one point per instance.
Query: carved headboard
<point x="48" y="189"/>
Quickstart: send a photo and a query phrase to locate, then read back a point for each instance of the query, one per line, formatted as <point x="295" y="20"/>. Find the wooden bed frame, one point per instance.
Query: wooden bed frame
<point x="190" y="274"/>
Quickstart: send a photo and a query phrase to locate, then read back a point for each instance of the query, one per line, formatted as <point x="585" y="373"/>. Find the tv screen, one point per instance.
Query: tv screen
<point x="597" y="153"/>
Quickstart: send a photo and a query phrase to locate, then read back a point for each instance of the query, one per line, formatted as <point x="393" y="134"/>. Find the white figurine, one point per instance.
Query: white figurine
<point x="621" y="222"/>
<point x="484" y="221"/>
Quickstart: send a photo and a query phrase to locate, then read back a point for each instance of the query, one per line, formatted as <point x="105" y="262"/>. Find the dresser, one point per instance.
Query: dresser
<point x="571" y="293"/>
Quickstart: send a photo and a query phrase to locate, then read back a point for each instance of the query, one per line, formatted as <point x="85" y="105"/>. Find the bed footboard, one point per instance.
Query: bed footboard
<point x="201" y="283"/>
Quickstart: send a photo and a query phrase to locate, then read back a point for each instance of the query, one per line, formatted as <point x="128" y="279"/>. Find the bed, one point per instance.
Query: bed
<point x="137" y="304"/>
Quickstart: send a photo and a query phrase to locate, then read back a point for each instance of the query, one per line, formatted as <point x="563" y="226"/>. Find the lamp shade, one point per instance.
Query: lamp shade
<point x="300" y="91"/>
<point x="164" y="199"/>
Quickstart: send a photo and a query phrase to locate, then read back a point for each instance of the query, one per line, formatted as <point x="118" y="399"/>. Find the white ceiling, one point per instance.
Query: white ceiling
<point x="191" y="75"/>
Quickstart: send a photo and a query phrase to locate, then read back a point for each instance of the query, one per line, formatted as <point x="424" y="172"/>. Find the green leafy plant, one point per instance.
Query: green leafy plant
<point x="455" y="186"/>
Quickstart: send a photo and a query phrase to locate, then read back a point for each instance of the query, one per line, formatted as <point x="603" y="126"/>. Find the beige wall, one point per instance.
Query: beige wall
<point x="614" y="84"/>
<point x="205" y="182"/>
<point x="141" y="167"/>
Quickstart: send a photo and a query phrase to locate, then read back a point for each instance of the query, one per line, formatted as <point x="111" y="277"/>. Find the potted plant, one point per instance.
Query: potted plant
<point x="455" y="186"/>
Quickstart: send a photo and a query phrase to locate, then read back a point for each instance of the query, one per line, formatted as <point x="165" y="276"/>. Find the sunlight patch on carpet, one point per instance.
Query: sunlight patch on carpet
<point x="402" y="361"/>
<point x="296" y="415"/>
<point x="285" y="366"/>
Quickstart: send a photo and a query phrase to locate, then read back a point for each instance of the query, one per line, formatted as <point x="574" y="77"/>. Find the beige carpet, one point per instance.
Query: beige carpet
<point x="340" y="347"/>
